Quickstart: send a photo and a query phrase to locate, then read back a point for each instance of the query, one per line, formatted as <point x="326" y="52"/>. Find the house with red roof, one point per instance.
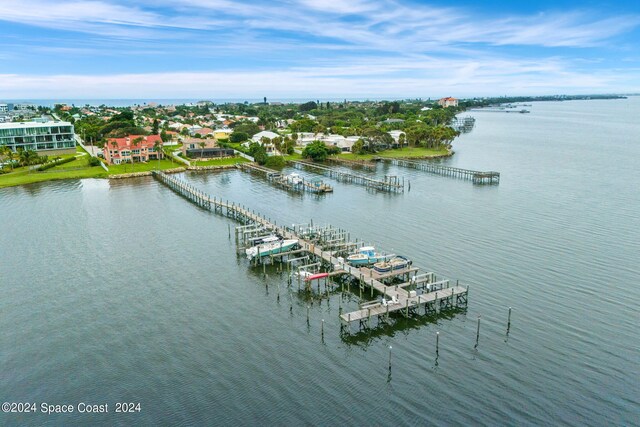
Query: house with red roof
<point x="448" y="102"/>
<point x="132" y="148"/>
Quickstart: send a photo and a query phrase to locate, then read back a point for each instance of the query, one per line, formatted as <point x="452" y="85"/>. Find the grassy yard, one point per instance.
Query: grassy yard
<point x="143" y="167"/>
<point x="78" y="169"/>
<point x="219" y="162"/>
<point x="294" y="156"/>
<point x="22" y="176"/>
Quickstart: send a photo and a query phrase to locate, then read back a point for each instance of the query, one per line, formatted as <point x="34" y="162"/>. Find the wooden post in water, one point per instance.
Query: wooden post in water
<point x="509" y="321"/>
<point x="437" y="343"/>
<point x="477" y="333"/>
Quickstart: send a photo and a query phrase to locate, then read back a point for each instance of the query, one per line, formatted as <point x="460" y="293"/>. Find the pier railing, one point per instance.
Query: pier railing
<point x="477" y="177"/>
<point x="277" y="179"/>
<point x="390" y="183"/>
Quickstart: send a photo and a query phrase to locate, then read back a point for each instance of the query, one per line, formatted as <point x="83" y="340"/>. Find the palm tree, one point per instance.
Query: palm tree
<point x="7" y="153"/>
<point x="27" y="157"/>
<point x="158" y="147"/>
<point x="202" y="144"/>
<point x="401" y="140"/>
<point x="135" y="143"/>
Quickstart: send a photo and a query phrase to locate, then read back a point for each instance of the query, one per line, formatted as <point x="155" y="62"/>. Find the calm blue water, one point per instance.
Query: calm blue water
<point x="122" y="291"/>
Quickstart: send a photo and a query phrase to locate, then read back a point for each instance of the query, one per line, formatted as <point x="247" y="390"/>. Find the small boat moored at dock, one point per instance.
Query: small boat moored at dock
<point x="271" y="248"/>
<point x="293" y="178"/>
<point x="399" y="262"/>
<point x="382" y="267"/>
<point x="366" y="255"/>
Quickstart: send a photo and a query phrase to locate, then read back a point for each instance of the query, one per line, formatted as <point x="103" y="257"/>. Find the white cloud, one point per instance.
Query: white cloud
<point x="359" y="48"/>
<point x="430" y="78"/>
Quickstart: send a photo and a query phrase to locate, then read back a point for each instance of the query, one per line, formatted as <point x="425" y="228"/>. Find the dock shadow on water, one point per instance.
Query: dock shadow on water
<point x="397" y="324"/>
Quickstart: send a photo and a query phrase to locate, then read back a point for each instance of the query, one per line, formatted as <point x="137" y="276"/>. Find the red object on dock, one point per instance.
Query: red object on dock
<point x="316" y="276"/>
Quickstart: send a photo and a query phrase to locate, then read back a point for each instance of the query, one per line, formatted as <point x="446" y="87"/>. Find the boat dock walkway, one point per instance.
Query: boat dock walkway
<point x="276" y="178"/>
<point x="390" y="183"/>
<point x="433" y="302"/>
<point x="352" y="163"/>
<point x="477" y="177"/>
<point x="319" y="242"/>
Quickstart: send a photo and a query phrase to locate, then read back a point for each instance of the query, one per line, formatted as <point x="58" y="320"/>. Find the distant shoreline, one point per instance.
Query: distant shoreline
<point x="130" y="102"/>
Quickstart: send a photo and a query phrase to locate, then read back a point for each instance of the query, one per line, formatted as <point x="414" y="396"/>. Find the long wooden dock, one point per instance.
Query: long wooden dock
<point x="365" y="164"/>
<point x="477" y="177"/>
<point x="320" y="244"/>
<point x="390" y="183"/>
<point x="285" y="182"/>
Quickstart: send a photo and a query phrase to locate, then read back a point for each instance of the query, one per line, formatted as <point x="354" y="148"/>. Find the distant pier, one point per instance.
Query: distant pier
<point x="477" y="177"/>
<point x="391" y="183"/>
<point x="282" y="181"/>
<point x="403" y="291"/>
<point x="352" y="163"/>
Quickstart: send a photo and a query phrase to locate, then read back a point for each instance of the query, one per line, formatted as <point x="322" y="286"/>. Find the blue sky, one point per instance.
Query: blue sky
<point x="316" y="48"/>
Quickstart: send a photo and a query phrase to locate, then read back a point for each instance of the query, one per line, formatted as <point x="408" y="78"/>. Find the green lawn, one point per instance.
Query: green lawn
<point x="294" y="156"/>
<point x="22" y="176"/>
<point x="237" y="146"/>
<point x="395" y="153"/>
<point x="78" y="169"/>
<point x="143" y="167"/>
<point x="77" y="163"/>
<point x="219" y="162"/>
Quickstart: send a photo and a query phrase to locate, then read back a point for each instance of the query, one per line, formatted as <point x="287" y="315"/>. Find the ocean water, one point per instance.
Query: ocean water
<point x="122" y="291"/>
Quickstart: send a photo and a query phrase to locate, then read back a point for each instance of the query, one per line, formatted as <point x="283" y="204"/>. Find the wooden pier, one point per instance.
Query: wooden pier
<point x="402" y="291"/>
<point x="477" y="177"/>
<point x="390" y="183"/>
<point x="285" y="182"/>
<point x="365" y="164"/>
<point x="431" y="303"/>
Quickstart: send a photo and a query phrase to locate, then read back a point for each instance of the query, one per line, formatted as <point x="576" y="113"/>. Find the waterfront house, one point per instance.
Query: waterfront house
<point x="47" y="138"/>
<point x="395" y="134"/>
<point x="264" y="134"/>
<point x="343" y="143"/>
<point x="265" y="139"/>
<point x="132" y="148"/>
<point x="448" y="102"/>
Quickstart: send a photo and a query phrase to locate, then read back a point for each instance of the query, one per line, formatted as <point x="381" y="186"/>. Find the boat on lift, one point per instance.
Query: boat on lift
<point x="366" y="255"/>
<point x="271" y="247"/>
<point x="400" y="262"/>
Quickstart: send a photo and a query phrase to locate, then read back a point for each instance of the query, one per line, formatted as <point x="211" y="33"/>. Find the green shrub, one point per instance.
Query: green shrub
<point x="276" y="162"/>
<point x="317" y="151"/>
<point x="55" y="163"/>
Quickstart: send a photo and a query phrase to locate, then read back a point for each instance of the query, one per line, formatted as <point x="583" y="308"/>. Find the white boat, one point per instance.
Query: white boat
<point x="271" y="248"/>
<point x="294" y="178"/>
<point x="365" y="256"/>
<point x="264" y="239"/>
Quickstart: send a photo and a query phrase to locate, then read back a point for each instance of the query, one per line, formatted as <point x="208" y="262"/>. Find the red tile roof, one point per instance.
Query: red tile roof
<point x="127" y="142"/>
